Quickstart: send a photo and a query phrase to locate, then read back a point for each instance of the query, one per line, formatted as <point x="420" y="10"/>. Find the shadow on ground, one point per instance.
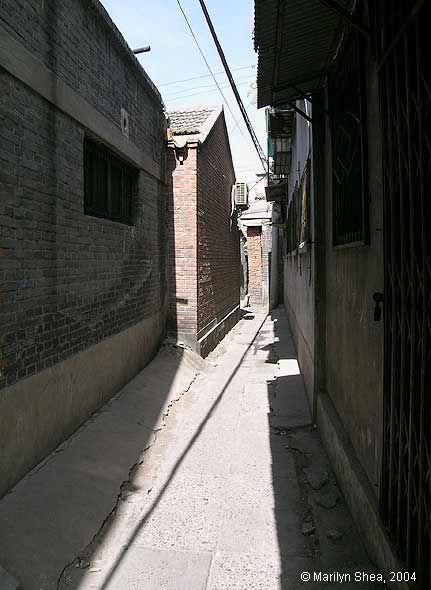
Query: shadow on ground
<point x="331" y="542"/>
<point x="52" y="514"/>
<point x="189" y="572"/>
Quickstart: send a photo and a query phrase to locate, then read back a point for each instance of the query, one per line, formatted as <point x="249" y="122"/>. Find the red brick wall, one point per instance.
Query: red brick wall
<point x="182" y="242"/>
<point x="254" y="251"/>
<point x="218" y="238"/>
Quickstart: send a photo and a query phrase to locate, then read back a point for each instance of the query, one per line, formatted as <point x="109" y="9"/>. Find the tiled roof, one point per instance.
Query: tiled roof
<point x="190" y="121"/>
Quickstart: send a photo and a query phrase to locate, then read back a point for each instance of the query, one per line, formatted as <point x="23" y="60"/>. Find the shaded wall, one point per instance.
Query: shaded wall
<point x="83" y="298"/>
<point x="298" y="266"/>
<point x="354" y="341"/>
<point x="349" y="355"/>
<point x="218" y="259"/>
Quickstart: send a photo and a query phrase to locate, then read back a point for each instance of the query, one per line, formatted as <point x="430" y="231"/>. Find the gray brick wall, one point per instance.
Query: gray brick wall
<point x="77" y="40"/>
<point x="69" y="280"/>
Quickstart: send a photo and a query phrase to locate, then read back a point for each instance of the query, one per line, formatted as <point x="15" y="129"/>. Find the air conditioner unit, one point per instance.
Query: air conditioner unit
<point x="241" y="195"/>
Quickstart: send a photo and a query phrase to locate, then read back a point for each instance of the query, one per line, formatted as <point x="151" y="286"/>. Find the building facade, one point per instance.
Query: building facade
<point x="255" y="223"/>
<point x="82" y="180"/>
<point x="204" y="261"/>
<point x="357" y="251"/>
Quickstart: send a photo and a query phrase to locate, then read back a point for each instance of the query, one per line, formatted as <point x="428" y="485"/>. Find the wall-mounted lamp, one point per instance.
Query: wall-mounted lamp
<point x="180" y="155"/>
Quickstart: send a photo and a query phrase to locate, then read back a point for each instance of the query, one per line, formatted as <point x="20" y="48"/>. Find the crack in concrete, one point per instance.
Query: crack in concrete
<point x="124" y="484"/>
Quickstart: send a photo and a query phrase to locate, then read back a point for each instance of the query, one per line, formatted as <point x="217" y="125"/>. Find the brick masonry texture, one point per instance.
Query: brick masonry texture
<point x="266" y="262"/>
<point x="218" y="235"/>
<point x="69" y="280"/>
<point x="77" y="40"/>
<point x="204" y="262"/>
<point x="183" y="242"/>
<point x="254" y="245"/>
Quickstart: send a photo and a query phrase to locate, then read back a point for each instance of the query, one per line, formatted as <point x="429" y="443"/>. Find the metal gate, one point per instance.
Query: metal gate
<point x="402" y="43"/>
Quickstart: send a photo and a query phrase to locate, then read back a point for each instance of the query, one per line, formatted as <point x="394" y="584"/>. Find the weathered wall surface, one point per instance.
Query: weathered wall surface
<point x="79" y="43"/>
<point x="218" y="261"/>
<point x="182" y="220"/>
<point x="354" y="341"/>
<point x="71" y="281"/>
<point x="298" y="267"/>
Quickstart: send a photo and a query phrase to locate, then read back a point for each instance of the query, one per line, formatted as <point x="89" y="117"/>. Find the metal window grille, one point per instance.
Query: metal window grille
<point x="108" y="184"/>
<point x="293" y="222"/>
<point x="304" y="207"/>
<point x="402" y="48"/>
<point x="348" y="131"/>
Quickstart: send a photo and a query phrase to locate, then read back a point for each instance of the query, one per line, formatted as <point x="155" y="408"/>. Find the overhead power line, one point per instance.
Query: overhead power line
<point x="207" y="64"/>
<point x="249" y="104"/>
<point x="205" y="76"/>
<point x="243" y="80"/>
<point x="242" y="108"/>
<point x="170" y="98"/>
<point x="256" y="183"/>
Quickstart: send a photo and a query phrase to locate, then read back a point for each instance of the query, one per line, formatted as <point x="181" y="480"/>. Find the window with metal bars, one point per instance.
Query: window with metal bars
<point x="293" y="221"/>
<point x="304" y="209"/>
<point x="349" y="148"/>
<point x="109" y="184"/>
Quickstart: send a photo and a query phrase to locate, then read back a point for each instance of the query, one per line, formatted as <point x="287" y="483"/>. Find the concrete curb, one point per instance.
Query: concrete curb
<point x="357" y="490"/>
<point x="7" y="582"/>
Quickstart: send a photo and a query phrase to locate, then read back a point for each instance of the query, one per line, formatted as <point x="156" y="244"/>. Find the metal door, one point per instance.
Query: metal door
<point x="402" y="42"/>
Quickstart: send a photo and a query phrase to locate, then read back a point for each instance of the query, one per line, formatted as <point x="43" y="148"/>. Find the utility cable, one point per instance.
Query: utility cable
<point x="205" y="76"/>
<point x="171" y="98"/>
<point x="242" y="108"/>
<point x="207" y="65"/>
<point x="249" y="105"/>
<point x="256" y="183"/>
<point x="242" y="82"/>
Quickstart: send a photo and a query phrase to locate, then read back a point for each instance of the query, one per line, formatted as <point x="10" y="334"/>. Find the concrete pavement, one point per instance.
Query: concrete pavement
<point x="199" y="475"/>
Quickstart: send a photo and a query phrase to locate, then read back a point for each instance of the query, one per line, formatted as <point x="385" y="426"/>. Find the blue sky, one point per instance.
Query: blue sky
<point x="174" y="57"/>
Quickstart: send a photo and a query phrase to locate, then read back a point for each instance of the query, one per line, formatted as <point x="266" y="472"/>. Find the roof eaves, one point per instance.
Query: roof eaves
<point x="298" y="59"/>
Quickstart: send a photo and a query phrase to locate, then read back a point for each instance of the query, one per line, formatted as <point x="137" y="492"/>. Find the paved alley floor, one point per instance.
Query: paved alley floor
<point x="199" y="475"/>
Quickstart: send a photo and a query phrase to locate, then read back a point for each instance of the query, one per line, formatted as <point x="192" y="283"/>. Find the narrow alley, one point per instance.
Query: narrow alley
<point x="230" y="488"/>
<point x="215" y="295"/>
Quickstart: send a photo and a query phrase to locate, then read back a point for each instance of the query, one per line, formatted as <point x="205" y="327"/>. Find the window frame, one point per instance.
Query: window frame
<point x="347" y="101"/>
<point x="100" y="200"/>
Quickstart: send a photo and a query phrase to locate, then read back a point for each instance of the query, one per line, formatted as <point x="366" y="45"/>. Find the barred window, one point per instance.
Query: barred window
<point x="349" y="156"/>
<point x="109" y="184"/>
<point x="298" y="215"/>
<point x="304" y="209"/>
<point x="293" y="217"/>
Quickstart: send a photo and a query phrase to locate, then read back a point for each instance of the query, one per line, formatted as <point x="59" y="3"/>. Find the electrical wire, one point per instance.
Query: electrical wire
<point x="256" y="183"/>
<point x="243" y="110"/>
<point x="172" y="98"/>
<point x="208" y="66"/>
<point x="249" y="104"/>
<point x="205" y="76"/>
<point x="243" y="81"/>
